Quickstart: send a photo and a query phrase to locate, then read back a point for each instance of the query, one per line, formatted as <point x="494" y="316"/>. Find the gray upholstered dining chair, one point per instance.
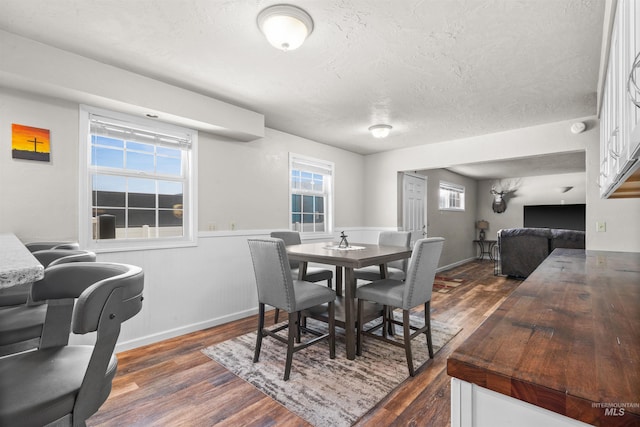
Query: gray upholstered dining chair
<point x="61" y="384"/>
<point x="278" y="289"/>
<point x="40" y="246"/>
<point x="16" y="295"/>
<point x="396" y="269"/>
<point x="414" y="291"/>
<point x="21" y="325"/>
<point x="313" y="274"/>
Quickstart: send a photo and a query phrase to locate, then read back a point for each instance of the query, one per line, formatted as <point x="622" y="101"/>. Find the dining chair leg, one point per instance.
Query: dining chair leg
<point x="391" y="327"/>
<point x="386" y="324"/>
<point x="256" y="354"/>
<point x="360" y="326"/>
<point x="293" y="328"/>
<point x="407" y="340"/>
<point x="332" y="330"/>
<point x="427" y="322"/>
<point x="275" y="317"/>
<point x="298" y="317"/>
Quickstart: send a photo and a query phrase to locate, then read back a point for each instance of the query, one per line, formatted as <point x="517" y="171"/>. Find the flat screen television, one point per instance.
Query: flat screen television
<point x="570" y="217"/>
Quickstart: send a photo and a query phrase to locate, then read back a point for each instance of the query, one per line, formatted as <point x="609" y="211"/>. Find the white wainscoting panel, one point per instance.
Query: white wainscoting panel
<point x="194" y="288"/>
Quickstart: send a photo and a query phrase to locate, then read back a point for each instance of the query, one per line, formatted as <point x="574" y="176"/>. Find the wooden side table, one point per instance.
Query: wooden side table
<point x="486" y="247"/>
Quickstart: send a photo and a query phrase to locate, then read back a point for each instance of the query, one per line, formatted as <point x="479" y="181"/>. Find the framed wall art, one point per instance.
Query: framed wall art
<point x="29" y="143"/>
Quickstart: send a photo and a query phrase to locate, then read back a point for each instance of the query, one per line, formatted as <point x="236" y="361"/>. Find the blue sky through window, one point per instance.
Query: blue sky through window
<point x="139" y="157"/>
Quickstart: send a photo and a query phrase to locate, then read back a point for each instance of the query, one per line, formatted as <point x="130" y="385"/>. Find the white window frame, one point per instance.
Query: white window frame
<point x="85" y="222"/>
<point x="447" y="203"/>
<point x="326" y="168"/>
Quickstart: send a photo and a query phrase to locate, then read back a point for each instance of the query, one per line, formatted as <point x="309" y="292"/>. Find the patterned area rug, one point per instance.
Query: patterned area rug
<point x="327" y="392"/>
<point x="445" y="284"/>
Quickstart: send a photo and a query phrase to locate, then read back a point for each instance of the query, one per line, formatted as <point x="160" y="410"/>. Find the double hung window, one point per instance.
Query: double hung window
<point x="311" y="189"/>
<point x="137" y="186"/>
<point x="451" y="196"/>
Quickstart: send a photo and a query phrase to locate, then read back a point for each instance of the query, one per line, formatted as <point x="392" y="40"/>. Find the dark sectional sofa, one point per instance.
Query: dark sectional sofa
<point x="522" y="250"/>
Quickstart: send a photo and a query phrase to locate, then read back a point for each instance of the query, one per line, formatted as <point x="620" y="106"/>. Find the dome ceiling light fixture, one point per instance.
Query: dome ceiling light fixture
<point x="285" y="26"/>
<point x="380" y="131"/>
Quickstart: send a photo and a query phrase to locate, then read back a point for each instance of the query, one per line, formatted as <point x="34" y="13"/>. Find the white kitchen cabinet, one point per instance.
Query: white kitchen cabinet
<point x="620" y="116"/>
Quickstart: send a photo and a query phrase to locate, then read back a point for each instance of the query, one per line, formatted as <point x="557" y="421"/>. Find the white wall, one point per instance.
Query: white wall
<point x="241" y="182"/>
<point x="248" y="183"/>
<point x="39" y="199"/>
<point x="621" y="216"/>
<point x="456" y="227"/>
<point x="532" y="190"/>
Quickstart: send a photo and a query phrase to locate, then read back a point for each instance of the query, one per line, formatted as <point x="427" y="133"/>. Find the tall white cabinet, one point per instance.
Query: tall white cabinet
<point x="620" y="116"/>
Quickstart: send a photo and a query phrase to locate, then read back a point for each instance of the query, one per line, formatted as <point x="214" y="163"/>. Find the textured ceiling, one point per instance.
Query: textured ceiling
<point x="436" y="70"/>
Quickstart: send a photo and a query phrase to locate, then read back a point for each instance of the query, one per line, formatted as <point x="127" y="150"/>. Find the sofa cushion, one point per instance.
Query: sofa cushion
<point x="572" y="239"/>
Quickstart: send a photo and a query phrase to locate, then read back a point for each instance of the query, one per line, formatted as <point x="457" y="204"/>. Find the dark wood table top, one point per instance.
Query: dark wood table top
<point x="371" y="254"/>
<point x="568" y="339"/>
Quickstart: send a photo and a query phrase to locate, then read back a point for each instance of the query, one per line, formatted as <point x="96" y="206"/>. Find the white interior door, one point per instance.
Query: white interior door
<point x="414" y="206"/>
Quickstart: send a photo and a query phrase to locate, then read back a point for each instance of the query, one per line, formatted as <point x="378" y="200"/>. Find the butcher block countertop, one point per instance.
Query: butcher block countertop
<point x="567" y="339"/>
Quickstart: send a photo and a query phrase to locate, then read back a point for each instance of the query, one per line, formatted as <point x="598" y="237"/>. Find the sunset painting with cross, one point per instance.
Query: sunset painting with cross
<point x="30" y="143"/>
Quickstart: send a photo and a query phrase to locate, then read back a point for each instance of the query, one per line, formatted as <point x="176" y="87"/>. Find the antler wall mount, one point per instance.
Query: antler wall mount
<point x="499" y="204"/>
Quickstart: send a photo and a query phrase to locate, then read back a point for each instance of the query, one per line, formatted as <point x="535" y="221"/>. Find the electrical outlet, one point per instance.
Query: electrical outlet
<point x="601" y="227"/>
<point x="212" y="226"/>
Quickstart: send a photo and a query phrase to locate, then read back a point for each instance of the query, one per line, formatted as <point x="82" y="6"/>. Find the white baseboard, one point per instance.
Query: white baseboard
<point x="187" y="329"/>
<point x="455" y="264"/>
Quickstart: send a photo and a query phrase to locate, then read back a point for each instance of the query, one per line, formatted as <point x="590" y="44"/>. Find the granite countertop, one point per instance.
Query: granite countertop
<point x="17" y="264"/>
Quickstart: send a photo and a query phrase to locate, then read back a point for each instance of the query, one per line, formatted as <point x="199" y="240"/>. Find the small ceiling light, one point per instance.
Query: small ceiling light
<point x="380" y="131"/>
<point x="578" y="127"/>
<point x="286" y="27"/>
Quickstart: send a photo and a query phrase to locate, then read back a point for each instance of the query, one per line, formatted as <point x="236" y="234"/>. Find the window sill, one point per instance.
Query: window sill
<point x="138" y="245"/>
<point x="316" y="236"/>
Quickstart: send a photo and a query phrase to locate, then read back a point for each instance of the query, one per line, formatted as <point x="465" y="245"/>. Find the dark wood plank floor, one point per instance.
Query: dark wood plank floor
<point x="172" y="383"/>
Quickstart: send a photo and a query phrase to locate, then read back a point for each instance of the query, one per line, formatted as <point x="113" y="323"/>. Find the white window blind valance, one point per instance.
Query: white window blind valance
<point x="313" y="166"/>
<point x="112" y="128"/>
<point x="451" y="187"/>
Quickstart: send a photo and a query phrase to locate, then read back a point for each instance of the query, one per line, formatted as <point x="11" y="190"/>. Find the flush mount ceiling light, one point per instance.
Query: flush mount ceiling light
<point x="380" y="131"/>
<point x="286" y="27"/>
